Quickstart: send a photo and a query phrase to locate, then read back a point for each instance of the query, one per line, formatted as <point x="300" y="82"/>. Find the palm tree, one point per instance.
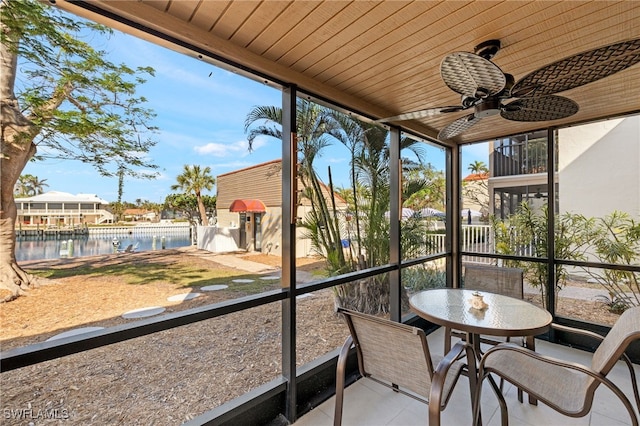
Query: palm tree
<point x="30" y="185"/>
<point x="21" y="188"/>
<point x="477" y="191"/>
<point x="37" y="186"/>
<point x="369" y="150"/>
<point x="195" y="180"/>
<point x="478" y="167"/>
<point x="314" y="125"/>
<point x="371" y="186"/>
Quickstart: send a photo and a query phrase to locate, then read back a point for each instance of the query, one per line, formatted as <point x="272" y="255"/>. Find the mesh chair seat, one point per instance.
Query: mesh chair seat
<point x="397" y="355"/>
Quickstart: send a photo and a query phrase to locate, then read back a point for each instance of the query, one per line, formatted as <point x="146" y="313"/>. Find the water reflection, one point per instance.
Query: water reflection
<point x="33" y="248"/>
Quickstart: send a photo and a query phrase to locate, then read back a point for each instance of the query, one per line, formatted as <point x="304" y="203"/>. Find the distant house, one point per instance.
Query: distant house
<point x="55" y="208"/>
<point x="475" y="197"/>
<point x="249" y="204"/>
<point x="139" y="214"/>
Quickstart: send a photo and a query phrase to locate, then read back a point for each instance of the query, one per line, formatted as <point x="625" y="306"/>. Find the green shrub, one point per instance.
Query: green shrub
<point x="423" y="278"/>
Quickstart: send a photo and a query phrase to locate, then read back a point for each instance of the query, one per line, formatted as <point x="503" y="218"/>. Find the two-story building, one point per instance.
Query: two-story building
<point x="55" y="208"/>
<point x="518" y="169"/>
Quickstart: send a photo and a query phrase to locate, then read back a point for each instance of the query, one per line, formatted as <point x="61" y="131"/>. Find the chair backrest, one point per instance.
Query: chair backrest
<point x="390" y="351"/>
<point x="624" y="331"/>
<point x="494" y="279"/>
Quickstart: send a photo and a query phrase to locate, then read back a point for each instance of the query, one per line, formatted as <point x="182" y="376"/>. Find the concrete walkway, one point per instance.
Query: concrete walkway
<point x="233" y="260"/>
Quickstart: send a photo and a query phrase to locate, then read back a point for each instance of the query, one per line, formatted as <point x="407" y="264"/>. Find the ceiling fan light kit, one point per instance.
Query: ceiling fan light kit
<point x="485" y="88"/>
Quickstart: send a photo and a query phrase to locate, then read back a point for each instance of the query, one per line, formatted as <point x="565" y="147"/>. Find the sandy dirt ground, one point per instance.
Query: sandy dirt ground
<point x="165" y="378"/>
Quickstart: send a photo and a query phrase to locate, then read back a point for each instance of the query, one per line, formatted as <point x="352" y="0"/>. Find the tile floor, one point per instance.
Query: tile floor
<point x="368" y="403"/>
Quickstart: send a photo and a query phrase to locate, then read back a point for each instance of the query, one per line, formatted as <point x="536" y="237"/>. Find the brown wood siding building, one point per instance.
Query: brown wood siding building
<point x="261" y="231"/>
<point x="262" y="181"/>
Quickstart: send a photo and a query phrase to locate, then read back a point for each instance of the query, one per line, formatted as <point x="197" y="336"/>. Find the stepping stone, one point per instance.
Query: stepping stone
<point x="75" y="332"/>
<point x="270" y="277"/>
<point x="214" y="287"/>
<point x="243" y="280"/>
<point x="144" y="312"/>
<point x="182" y="297"/>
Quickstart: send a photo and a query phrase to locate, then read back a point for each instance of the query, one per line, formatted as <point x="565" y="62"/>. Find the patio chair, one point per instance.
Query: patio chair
<point x="397" y="356"/>
<point x="566" y="387"/>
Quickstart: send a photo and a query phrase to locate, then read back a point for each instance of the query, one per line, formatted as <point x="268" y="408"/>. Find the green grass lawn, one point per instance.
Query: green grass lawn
<point x="149" y="273"/>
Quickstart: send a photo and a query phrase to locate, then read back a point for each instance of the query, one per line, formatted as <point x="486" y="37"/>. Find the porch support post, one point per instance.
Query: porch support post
<point x="289" y="214"/>
<point x="453" y="188"/>
<point x="551" y="222"/>
<point x="395" y="168"/>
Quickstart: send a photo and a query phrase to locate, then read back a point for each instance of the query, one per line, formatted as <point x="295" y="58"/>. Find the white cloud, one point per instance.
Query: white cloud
<point x="224" y="149"/>
<point x="259" y="142"/>
<point x="237" y="149"/>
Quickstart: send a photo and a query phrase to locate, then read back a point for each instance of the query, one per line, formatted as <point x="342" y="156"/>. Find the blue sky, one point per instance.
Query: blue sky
<point x="200" y="115"/>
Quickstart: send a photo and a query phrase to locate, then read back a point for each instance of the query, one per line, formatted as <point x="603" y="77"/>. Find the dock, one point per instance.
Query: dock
<point x="51" y="231"/>
<point x="55" y="232"/>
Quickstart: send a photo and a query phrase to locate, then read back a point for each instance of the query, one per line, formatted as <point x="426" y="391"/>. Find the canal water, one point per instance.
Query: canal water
<point x="34" y="248"/>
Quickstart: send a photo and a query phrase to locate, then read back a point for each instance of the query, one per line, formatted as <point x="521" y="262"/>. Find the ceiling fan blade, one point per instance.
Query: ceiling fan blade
<point x="578" y="70"/>
<point x="458" y="126"/>
<point x="471" y="75"/>
<point x="543" y="108"/>
<point x="423" y="113"/>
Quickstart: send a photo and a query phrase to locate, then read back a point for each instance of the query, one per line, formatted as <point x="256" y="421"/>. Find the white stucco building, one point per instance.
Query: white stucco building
<point x="609" y="150"/>
<point x="55" y="208"/>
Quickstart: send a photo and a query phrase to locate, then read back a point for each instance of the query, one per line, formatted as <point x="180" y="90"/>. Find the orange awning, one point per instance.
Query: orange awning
<point x="249" y="206"/>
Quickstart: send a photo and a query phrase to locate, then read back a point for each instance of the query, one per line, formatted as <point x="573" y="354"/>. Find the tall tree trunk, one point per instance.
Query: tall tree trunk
<point x="203" y="212"/>
<point x="16" y="149"/>
<point x="14" y="157"/>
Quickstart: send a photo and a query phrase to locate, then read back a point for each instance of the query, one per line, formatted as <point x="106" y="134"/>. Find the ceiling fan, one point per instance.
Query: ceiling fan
<point x="485" y="88"/>
<point x="539" y="194"/>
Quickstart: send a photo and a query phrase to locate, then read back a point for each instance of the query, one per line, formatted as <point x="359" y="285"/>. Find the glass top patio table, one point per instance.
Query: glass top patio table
<point x="504" y="316"/>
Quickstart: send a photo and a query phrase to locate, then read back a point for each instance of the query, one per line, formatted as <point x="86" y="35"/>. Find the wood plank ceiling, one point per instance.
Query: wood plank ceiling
<point x="382" y="58"/>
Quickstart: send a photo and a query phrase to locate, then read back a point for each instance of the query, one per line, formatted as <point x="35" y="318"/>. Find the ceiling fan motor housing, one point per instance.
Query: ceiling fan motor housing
<point x="487" y="49"/>
<point x="487" y="108"/>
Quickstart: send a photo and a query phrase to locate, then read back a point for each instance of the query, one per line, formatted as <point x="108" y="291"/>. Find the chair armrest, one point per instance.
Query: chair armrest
<point x="440" y="375"/>
<point x="573" y="330"/>
<point x="340" y="379"/>
<point x="538" y="356"/>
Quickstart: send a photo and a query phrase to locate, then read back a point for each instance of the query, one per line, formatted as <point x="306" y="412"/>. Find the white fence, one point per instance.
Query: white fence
<point x="166" y="229"/>
<point x="218" y="240"/>
<point x="475" y="238"/>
